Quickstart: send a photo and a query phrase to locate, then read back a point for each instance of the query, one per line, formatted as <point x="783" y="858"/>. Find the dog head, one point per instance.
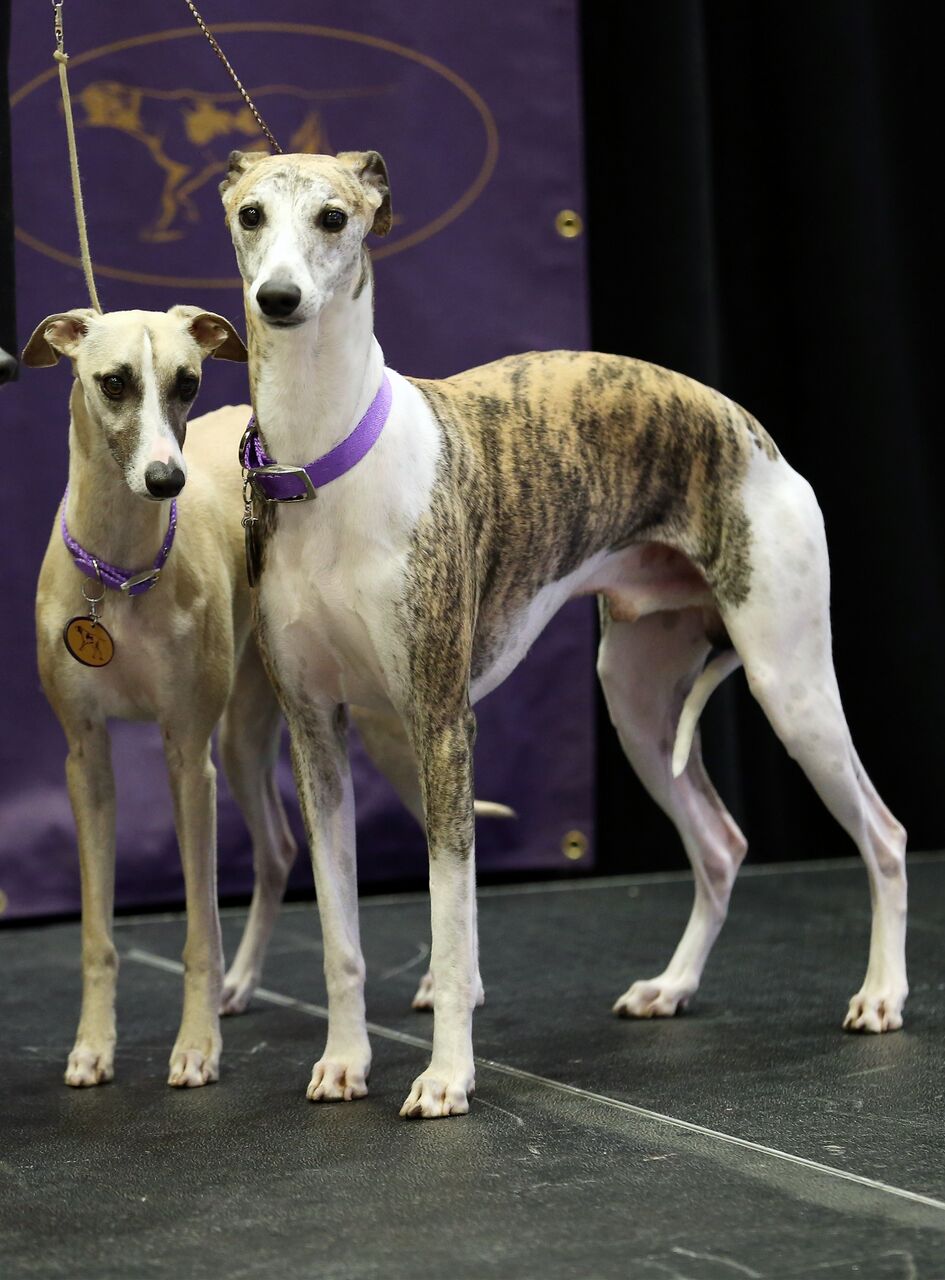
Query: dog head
<point x="298" y="222"/>
<point x="139" y="372"/>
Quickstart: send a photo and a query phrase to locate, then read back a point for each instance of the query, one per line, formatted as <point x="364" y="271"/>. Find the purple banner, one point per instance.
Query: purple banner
<point x="477" y="111"/>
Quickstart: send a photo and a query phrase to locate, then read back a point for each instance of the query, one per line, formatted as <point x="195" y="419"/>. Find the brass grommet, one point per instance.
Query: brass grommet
<point x="568" y="224"/>
<point x="574" y="845"/>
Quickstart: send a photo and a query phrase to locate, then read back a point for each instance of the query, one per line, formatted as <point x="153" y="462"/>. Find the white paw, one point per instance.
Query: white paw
<point x="875" y="1013"/>
<point x="238" y="990"/>
<point x="423" y="1000"/>
<point x="87" y="1067"/>
<point x="337" y="1080"/>
<point x="652" y="999"/>
<point x="437" y="1094"/>
<point x="192" y="1068"/>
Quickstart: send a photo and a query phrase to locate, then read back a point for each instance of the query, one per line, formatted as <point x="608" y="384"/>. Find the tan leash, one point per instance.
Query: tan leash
<point x="62" y="58"/>
<point x="235" y="78"/>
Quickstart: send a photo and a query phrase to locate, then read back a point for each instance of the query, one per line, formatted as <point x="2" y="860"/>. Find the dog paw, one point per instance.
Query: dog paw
<point x="652" y="999"/>
<point x="874" y="1013"/>
<point x="423" y="1000"/>
<point x="238" y="990"/>
<point x="435" y="1094"/>
<point x="87" y="1067"/>
<point x="336" y="1080"/>
<point x="192" y="1068"/>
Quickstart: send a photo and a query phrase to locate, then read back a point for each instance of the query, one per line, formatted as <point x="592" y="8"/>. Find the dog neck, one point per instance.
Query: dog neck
<point x="312" y="385"/>
<point x="111" y="523"/>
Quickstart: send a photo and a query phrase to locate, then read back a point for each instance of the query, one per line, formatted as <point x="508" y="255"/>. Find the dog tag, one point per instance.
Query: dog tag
<point x="88" y="642"/>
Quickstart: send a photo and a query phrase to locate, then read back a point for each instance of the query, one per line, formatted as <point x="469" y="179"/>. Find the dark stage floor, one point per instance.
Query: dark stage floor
<point x="748" y="1138"/>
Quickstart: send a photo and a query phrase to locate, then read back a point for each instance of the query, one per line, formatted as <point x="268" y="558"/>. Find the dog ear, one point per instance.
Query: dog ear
<point x="57" y="335"/>
<point x="239" y="162"/>
<point x="371" y="171"/>
<point x="213" y="334"/>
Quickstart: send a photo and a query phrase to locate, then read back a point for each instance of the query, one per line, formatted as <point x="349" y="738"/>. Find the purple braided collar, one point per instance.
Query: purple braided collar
<point x="278" y="483"/>
<point x="134" y="583"/>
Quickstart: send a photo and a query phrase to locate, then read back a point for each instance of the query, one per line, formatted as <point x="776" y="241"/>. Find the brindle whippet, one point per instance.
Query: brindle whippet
<point x="417" y="580"/>
<point x="182" y="653"/>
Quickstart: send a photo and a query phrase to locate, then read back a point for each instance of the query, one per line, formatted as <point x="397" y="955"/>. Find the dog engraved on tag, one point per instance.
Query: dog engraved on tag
<point x="88" y="642"/>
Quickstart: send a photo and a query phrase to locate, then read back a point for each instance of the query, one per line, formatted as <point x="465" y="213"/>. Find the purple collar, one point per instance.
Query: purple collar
<point x="278" y="483"/>
<point x="134" y="583"/>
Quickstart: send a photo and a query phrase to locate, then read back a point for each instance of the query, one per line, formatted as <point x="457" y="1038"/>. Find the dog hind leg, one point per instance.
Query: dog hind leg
<point x="646" y="668"/>
<point x="249" y="746"/>
<point x="782" y="632"/>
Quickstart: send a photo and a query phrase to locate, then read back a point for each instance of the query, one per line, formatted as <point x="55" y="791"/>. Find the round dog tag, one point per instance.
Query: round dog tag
<point x="88" y="642"/>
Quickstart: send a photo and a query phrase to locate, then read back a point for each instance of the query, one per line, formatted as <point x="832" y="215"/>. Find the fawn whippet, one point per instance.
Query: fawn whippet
<point x="171" y="645"/>
<point x="454" y="518"/>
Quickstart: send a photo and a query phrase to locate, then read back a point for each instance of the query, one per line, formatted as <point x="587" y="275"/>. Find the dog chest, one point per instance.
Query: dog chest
<point x="327" y="618"/>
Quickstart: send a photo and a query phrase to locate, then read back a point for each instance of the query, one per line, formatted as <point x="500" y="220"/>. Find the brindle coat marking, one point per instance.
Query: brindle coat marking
<point x="419" y="579"/>
<point x="533" y="444"/>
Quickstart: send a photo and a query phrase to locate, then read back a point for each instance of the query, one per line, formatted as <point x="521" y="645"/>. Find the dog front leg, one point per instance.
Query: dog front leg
<point x="445" y="756"/>
<point x="195" y="1059"/>
<point x="323" y="780"/>
<point x="92" y="793"/>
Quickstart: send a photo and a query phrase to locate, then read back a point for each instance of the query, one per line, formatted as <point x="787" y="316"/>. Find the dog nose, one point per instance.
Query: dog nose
<point x="278" y="298"/>
<point x="7" y="367"/>
<point x="163" y="480"/>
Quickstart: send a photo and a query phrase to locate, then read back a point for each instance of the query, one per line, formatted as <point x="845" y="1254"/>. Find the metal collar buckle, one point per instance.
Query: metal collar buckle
<point x="149" y="575"/>
<point x="281" y="469"/>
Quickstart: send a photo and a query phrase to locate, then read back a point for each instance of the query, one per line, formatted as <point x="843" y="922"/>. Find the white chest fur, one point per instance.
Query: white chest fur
<point x="337" y="567"/>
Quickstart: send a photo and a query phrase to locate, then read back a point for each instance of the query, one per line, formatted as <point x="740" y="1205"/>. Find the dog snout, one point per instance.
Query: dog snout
<point x="278" y="298"/>
<point x="164" y="480"/>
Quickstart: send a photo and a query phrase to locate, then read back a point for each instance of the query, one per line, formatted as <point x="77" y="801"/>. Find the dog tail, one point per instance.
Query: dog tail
<point x="712" y="675"/>
<point x="490" y="809"/>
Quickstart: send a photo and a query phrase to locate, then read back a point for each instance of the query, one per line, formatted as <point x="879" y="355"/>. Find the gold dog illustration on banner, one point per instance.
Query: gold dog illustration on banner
<point x="178" y="128"/>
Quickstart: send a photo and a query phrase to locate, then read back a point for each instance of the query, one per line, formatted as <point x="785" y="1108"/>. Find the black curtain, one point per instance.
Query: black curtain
<point x="7" y="300"/>
<point x="760" y="217"/>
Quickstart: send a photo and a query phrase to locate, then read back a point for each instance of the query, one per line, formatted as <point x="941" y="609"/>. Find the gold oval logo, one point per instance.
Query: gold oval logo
<point x="201" y="118"/>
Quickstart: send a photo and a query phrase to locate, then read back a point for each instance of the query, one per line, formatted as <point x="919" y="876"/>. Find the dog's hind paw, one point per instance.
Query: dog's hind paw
<point x="334" y="1081"/>
<point x="423" y="1000"/>
<point x="87" y="1067"/>
<point x="433" y="1095"/>
<point x="652" y="999"/>
<point x="237" y="992"/>
<point x="191" y="1068"/>
<point x="874" y="1013"/>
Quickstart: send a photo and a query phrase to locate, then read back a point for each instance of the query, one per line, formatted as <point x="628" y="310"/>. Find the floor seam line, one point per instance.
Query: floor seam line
<point x="156" y="961"/>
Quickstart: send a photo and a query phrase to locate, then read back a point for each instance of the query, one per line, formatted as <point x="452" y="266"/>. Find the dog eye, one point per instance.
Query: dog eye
<point x="250" y="217"/>
<point x="113" y="386"/>
<point x="333" y="219"/>
<point x="187" y="386"/>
